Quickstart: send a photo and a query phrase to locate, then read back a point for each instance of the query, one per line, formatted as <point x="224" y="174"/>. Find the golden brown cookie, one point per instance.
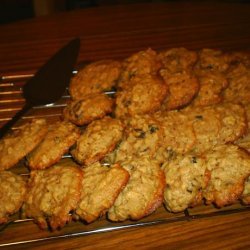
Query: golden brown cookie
<point x="96" y="77"/>
<point x="99" y="138"/>
<point x="234" y="122"/>
<point x="244" y="142"/>
<point x="245" y="197"/>
<point x="212" y="60"/>
<point x="143" y="193"/>
<point x="236" y="58"/>
<point x="247" y="109"/>
<point x="139" y="64"/>
<point x="177" y="60"/>
<point x="143" y="136"/>
<point x="217" y="124"/>
<point x="53" y="194"/>
<point x="230" y="167"/>
<point x="145" y="95"/>
<point x="178" y="133"/>
<point x="183" y="87"/>
<point x="60" y="137"/>
<point x="186" y="178"/>
<point x="238" y="90"/>
<point x="211" y="90"/>
<point x="92" y="107"/>
<point x="100" y="187"/>
<point x="207" y="126"/>
<point x="18" y="143"/>
<point x="177" y="73"/>
<point x="13" y="190"/>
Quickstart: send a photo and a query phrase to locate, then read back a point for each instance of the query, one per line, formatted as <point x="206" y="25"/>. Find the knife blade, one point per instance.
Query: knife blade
<point x="49" y="82"/>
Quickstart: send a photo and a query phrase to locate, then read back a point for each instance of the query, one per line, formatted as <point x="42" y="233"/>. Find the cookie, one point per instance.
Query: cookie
<point x="234" y="122"/>
<point x="18" y="143"/>
<point x="230" y="167"/>
<point x="13" y="190"/>
<point x="145" y="95"/>
<point x="244" y="142"/>
<point x="143" y="136"/>
<point x="211" y="60"/>
<point x="236" y="58"/>
<point x="143" y="193"/>
<point x="215" y="125"/>
<point x="139" y="64"/>
<point x="99" y="138"/>
<point x="177" y="73"/>
<point x="245" y="197"/>
<point x="247" y="109"/>
<point x="92" y="107"/>
<point x="211" y="90"/>
<point x="96" y="77"/>
<point x="177" y="60"/>
<point x="186" y="178"/>
<point x="100" y="187"/>
<point x="53" y="194"/>
<point x="183" y="87"/>
<point x="238" y="90"/>
<point x="178" y="133"/>
<point x="60" y="137"/>
<point x="207" y="125"/>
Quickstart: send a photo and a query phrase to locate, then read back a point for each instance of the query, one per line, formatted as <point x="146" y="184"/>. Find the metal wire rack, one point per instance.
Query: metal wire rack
<point x="11" y="101"/>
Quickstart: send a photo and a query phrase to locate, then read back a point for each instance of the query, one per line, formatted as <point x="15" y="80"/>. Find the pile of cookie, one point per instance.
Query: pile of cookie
<point x="175" y="133"/>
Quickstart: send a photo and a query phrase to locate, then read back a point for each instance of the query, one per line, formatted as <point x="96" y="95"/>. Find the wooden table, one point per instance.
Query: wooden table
<point x="116" y="32"/>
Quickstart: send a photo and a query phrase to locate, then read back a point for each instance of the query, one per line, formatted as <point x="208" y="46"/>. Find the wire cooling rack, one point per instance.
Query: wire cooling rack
<point x="11" y="101"/>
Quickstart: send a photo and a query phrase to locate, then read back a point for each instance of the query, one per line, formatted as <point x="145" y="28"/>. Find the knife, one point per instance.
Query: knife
<point x="49" y="82"/>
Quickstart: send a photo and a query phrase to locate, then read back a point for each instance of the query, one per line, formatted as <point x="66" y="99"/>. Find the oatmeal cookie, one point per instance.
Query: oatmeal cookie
<point x="100" y="187"/>
<point x="143" y="193"/>
<point x="139" y="64"/>
<point x="247" y="109"/>
<point x="18" y="143"/>
<point x="177" y="74"/>
<point x="211" y="60"/>
<point x="177" y="60"/>
<point x="92" y="107"/>
<point x="13" y="190"/>
<point x="211" y="90"/>
<point x="53" y="194"/>
<point x="244" y="142"/>
<point x="96" y="77"/>
<point x="178" y="132"/>
<point x="186" y="178"/>
<point x="60" y="137"/>
<point x="230" y="167"/>
<point x="234" y="122"/>
<point x="145" y="95"/>
<point x="238" y="90"/>
<point x="143" y="136"/>
<point x="99" y="138"/>
<point x="183" y="87"/>
<point x="217" y="124"/>
<point x="245" y="197"/>
<point x="207" y="124"/>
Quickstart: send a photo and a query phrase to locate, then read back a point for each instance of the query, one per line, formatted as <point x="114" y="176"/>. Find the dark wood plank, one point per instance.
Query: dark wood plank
<point x="117" y="31"/>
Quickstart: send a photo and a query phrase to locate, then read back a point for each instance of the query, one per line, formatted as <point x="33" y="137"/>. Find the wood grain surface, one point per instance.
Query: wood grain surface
<point x="116" y="32"/>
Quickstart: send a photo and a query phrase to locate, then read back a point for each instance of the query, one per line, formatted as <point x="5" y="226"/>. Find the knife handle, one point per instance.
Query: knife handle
<point x="10" y="123"/>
